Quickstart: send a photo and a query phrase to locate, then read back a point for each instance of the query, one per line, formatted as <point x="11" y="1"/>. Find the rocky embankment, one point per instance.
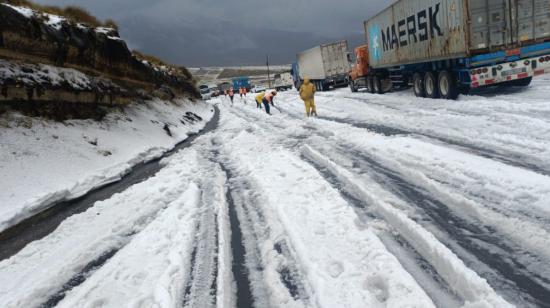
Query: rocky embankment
<point x="49" y="62"/>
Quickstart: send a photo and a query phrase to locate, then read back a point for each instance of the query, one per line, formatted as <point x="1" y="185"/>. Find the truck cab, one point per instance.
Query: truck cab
<point x="358" y="76"/>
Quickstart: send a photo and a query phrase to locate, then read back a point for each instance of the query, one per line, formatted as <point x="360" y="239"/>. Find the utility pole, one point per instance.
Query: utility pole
<point x="268" y="75"/>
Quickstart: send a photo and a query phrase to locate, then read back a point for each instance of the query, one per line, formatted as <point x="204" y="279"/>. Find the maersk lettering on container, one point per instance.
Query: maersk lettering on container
<point x="413" y="30"/>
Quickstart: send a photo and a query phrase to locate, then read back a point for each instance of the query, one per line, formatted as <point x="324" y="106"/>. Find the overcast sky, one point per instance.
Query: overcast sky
<point x="232" y="32"/>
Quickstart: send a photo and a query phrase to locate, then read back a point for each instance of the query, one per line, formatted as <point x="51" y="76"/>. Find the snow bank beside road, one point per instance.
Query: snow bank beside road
<point x="148" y="228"/>
<point x="44" y="161"/>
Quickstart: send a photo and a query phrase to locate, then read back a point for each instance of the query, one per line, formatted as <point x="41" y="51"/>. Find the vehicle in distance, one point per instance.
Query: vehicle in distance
<point x="241" y="82"/>
<point x="325" y="65"/>
<point x="205" y="92"/>
<point x="283" y="81"/>
<point x="446" y="47"/>
<point x="258" y="89"/>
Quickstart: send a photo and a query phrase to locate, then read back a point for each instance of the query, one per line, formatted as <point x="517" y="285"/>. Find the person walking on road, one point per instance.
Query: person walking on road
<point x="231" y="94"/>
<point x="307" y="94"/>
<point x="241" y="92"/>
<point x="268" y="100"/>
<point x="259" y="99"/>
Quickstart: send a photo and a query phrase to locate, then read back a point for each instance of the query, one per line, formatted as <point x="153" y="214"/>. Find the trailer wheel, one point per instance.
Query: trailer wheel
<point x="352" y="86"/>
<point x="370" y="84"/>
<point x="418" y="85"/>
<point x="431" y="85"/>
<point x="377" y="83"/>
<point x="448" y="88"/>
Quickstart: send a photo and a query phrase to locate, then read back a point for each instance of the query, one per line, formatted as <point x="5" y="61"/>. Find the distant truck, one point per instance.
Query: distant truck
<point x="224" y="86"/>
<point x="283" y="81"/>
<point x="446" y="47"/>
<point x="239" y="82"/>
<point x="325" y="65"/>
<point x="205" y="92"/>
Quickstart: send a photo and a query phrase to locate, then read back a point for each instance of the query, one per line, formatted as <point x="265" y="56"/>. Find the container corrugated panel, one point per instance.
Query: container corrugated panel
<point x="335" y="58"/>
<point x="505" y="24"/>
<point x="413" y="31"/>
<point x="533" y="20"/>
<point x="542" y="19"/>
<point x="310" y="64"/>
<point x="489" y="24"/>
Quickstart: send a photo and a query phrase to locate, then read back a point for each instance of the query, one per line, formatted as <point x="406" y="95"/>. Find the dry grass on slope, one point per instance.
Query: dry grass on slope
<point x="73" y="13"/>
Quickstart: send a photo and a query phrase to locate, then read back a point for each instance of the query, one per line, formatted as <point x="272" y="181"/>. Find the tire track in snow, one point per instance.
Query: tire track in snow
<point x="89" y="269"/>
<point x="486" y="253"/>
<point x="447" y="296"/>
<point x="508" y="158"/>
<point x="250" y="228"/>
<point x="257" y="229"/>
<point x="423" y="272"/>
<point x="79" y="278"/>
<point x="244" y="297"/>
<point x="201" y="288"/>
<point x="463" y="280"/>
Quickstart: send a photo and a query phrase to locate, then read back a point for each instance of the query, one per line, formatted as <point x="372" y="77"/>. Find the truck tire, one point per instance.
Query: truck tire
<point x="352" y="86"/>
<point x="418" y="85"/>
<point x="431" y="85"/>
<point x="324" y="86"/>
<point x="377" y="84"/>
<point x="370" y="84"/>
<point x="448" y="88"/>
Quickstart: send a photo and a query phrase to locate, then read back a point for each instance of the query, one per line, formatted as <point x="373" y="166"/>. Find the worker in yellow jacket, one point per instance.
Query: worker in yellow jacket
<point x="259" y="99"/>
<point x="307" y="94"/>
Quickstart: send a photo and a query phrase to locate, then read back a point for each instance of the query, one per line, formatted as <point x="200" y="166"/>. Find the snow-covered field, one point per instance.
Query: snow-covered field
<point x="382" y="201"/>
<point x="43" y="161"/>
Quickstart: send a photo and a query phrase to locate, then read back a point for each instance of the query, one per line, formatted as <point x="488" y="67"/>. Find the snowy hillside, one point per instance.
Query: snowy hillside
<point x="47" y="161"/>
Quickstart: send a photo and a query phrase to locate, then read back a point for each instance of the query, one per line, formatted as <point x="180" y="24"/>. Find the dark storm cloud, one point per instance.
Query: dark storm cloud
<point x="232" y="32"/>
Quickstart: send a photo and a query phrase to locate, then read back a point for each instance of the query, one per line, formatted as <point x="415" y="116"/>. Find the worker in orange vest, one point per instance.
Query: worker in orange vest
<point x="268" y="100"/>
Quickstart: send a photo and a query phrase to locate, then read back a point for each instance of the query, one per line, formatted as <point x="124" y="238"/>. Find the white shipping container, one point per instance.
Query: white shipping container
<point x="324" y="61"/>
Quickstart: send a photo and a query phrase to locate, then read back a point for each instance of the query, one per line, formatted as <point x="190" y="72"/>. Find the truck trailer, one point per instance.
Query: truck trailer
<point x="325" y="65"/>
<point x="446" y="47"/>
<point x="241" y="82"/>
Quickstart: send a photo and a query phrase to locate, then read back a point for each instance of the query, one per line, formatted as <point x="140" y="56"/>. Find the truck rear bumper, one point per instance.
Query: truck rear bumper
<point x="525" y="68"/>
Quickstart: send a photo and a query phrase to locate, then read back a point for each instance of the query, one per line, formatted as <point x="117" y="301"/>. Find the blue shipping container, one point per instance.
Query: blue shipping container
<point x="241" y="82"/>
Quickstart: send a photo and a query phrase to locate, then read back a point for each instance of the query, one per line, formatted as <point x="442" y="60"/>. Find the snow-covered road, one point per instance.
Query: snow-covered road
<point x="382" y="201"/>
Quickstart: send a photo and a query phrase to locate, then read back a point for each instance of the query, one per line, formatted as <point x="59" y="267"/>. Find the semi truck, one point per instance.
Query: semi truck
<point x="241" y="82"/>
<point x="446" y="47"/>
<point x="325" y="65"/>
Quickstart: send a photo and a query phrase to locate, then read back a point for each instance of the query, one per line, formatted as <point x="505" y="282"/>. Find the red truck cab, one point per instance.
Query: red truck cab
<point x="361" y="67"/>
<point x="359" y="76"/>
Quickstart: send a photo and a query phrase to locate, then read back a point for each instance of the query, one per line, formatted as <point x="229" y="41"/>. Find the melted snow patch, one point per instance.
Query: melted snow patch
<point x="54" y="21"/>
